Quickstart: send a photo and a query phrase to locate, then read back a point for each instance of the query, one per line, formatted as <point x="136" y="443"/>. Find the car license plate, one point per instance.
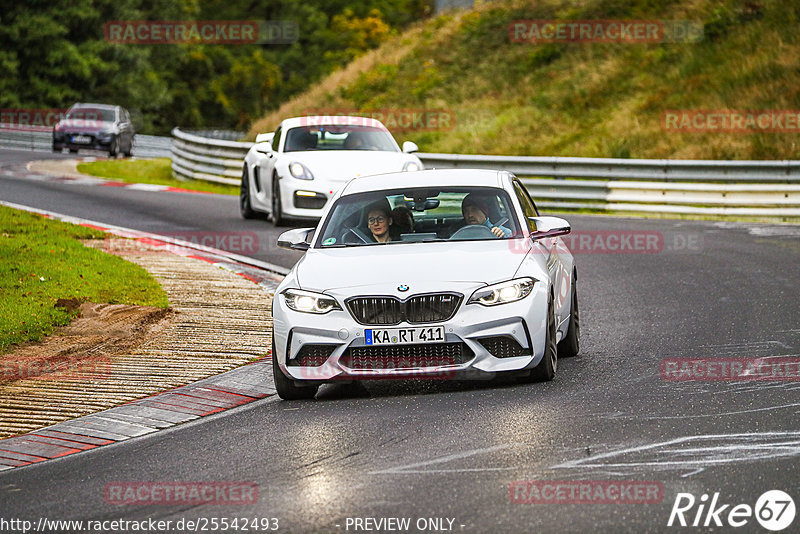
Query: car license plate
<point x="82" y="139"/>
<point x="404" y="336"/>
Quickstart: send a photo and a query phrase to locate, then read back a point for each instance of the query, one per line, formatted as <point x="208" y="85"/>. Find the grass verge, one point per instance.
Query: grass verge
<point x="43" y="260"/>
<point x="150" y="171"/>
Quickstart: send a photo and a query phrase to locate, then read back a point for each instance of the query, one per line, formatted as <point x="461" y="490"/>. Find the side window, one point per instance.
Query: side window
<point x="276" y="139"/>
<point x="528" y="207"/>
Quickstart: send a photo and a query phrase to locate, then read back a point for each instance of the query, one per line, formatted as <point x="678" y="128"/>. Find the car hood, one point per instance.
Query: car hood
<point x="423" y="266"/>
<point x="342" y="165"/>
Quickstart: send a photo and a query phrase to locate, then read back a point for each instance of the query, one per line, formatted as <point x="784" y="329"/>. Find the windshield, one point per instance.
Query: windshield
<point x="338" y="137"/>
<point x="419" y="215"/>
<point x="91" y="114"/>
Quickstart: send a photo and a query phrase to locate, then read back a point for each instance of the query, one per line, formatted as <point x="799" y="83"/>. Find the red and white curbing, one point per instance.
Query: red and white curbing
<point x="91" y="180"/>
<point x="228" y="390"/>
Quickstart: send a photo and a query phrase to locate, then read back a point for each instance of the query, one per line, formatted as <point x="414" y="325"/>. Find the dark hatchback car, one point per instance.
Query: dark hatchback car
<point x="95" y="126"/>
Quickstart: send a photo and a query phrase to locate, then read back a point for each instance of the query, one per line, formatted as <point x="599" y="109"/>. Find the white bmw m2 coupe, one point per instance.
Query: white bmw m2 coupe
<point x="431" y="274"/>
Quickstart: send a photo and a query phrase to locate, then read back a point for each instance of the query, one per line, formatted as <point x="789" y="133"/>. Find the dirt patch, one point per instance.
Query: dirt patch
<point x="69" y="304"/>
<point x="85" y="348"/>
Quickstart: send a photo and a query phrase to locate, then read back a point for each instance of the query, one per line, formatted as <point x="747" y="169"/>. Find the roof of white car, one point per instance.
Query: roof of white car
<point x="98" y="106"/>
<point x="429" y="178"/>
<point x="338" y="120"/>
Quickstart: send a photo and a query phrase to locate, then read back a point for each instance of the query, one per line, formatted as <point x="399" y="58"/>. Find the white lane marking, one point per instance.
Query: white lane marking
<point x="443" y="459"/>
<point x="769" y="408"/>
<point x="148" y="187"/>
<point x="696" y="471"/>
<point x="722" y="449"/>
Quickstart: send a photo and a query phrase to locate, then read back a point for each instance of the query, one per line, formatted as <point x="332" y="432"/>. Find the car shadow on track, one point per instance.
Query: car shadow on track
<point x="400" y="388"/>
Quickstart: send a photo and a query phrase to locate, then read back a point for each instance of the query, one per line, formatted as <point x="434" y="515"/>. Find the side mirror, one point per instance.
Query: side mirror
<point x="296" y="239"/>
<point x="409" y="147"/>
<point x="549" y="227"/>
<point x="264" y="137"/>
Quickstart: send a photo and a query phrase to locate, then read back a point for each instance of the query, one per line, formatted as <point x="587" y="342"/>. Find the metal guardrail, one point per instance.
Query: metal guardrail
<point x="203" y="158"/>
<point x="41" y="140"/>
<point x="742" y="188"/>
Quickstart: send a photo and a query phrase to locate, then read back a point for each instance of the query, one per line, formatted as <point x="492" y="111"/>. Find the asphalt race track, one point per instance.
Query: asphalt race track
<point x="449" y="451"/>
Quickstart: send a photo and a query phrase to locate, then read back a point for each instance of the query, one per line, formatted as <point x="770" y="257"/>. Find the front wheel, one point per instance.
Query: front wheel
<point x="570" y="345"/>
<point x="277" y="207"/>
<point x="546" y="370"/>
<point x="245" y="208"/>
<point x="128" y="153"/>
<point x="286" y="388"/>
<point x="114" y="148"/>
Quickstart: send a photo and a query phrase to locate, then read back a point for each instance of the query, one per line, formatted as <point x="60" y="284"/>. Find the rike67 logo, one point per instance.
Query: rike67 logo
<point x="774" y="510"/>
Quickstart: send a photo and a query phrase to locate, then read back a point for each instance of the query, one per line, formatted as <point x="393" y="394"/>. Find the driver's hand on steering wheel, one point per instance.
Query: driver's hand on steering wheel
<point x="497" y="231"/>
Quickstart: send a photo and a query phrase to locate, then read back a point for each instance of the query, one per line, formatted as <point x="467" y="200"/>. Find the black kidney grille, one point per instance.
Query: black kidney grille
<point x="430" y="308"/>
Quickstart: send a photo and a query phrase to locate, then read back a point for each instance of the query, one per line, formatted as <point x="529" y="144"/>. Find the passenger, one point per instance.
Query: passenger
<point x="379" y="221"/>
<point x="475" y="210"/>
<point x="402" y="222"/>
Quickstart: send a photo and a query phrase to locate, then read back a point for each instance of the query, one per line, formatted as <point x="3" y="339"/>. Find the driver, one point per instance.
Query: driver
<point x="379" y="221"/>
<point x="354" y="141"/>
<point x="475" y="210"/>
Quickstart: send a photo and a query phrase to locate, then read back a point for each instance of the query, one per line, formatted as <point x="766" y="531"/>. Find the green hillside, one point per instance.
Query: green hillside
<point x="579" y="98"/>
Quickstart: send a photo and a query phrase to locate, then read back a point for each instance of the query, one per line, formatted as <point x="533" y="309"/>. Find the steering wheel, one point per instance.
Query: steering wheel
<point x="355" y="231"/>
<point x="472" y="231"/>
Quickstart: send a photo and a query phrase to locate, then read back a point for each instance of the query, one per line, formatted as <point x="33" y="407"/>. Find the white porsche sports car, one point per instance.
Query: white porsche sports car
<point x="293" y="172"/>
<point x="432" y="274"/>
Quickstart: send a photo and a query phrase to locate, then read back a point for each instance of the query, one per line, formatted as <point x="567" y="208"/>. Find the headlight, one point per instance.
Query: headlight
<point x="309" y="302"/>
<point x="503" y="293"/>
<point x="298" y="170"/>
<point x="411" y="166"/>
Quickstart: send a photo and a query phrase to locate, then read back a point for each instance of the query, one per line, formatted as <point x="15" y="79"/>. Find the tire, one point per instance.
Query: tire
<point x="113" y="149"/>
<point x="277" y="216"/>
<point x="245" y="208"/>
<point x="128" y="153"/>
<point x="570" y="345"/>
<point x="546" y="370"/>
<point x="58" y="149"/>
<point x="285" y="387"/>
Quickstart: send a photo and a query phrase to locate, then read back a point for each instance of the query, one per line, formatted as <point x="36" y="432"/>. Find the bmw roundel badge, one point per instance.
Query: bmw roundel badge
<point x="402" y="287"/>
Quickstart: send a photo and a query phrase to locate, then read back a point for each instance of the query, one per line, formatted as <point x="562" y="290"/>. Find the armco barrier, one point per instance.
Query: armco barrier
<point x="205" y="158"/>
<point x="41" y="139"/>
<point x="741" y="188"/>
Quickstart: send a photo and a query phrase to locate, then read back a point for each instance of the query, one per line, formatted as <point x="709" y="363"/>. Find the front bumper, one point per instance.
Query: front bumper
<point x="64" y="140"/>
<point x="306" y="198"/>
<point x="480" y="341"/>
